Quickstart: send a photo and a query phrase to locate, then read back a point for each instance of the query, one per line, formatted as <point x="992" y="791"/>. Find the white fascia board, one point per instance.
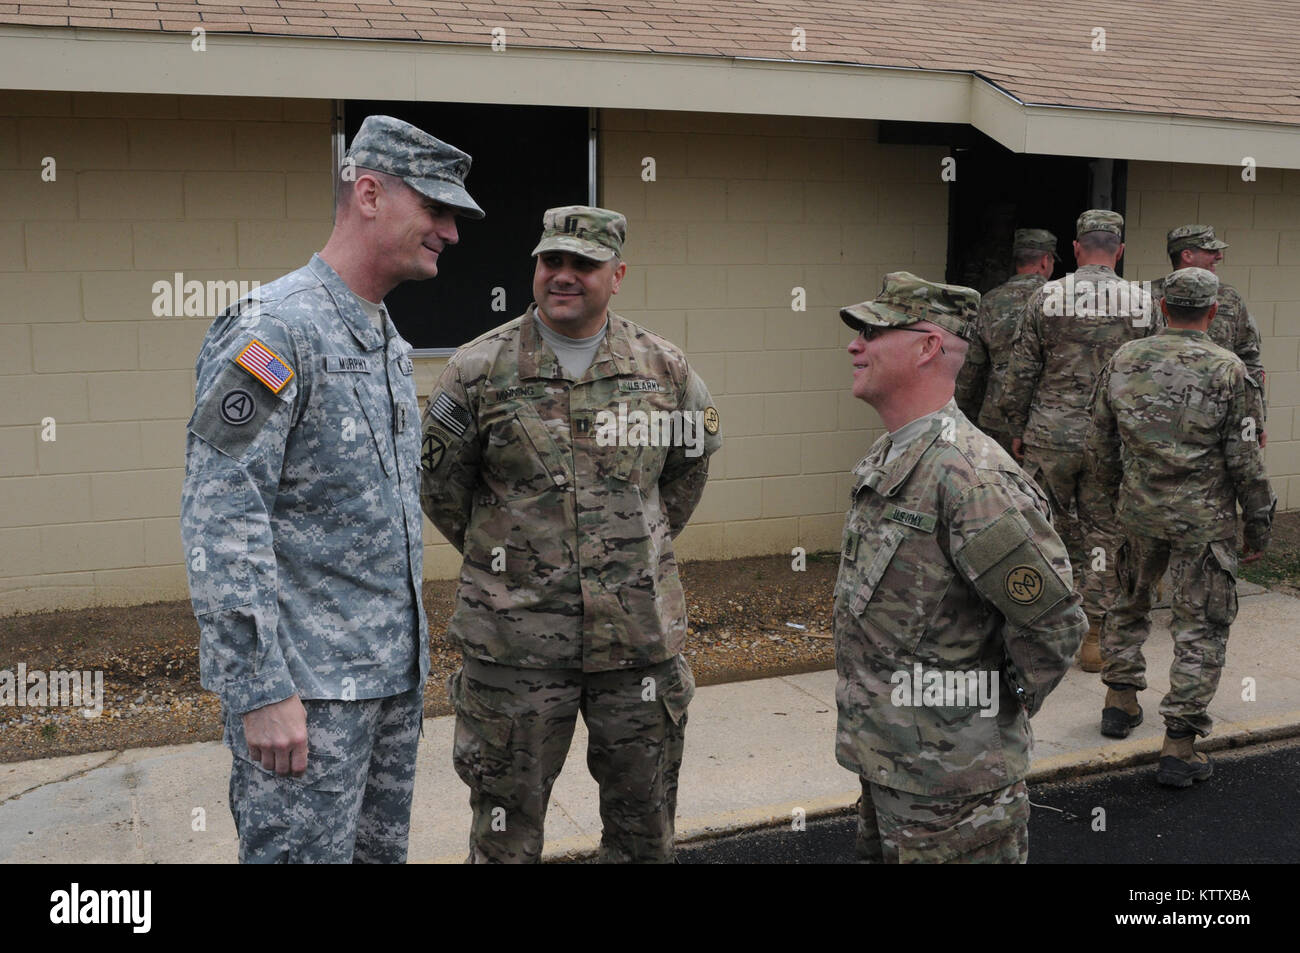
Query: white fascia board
<point x="121" y="61"/>
<point x="1116" y="134"/>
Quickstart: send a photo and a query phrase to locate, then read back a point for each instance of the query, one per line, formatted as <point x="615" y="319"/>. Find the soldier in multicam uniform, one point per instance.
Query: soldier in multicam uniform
<point x="1069" y="330"/>
<point x="569" y="595"/>
<point x="301" y="521"/>
<point x="1194" y="246"/>
<point x="1174" y="435"/>
<point x="951" y="566"/>
<point x="979" y="385"/>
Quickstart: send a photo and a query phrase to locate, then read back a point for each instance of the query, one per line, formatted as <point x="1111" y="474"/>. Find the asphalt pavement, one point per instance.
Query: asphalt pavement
<point x="1243" y="814"/>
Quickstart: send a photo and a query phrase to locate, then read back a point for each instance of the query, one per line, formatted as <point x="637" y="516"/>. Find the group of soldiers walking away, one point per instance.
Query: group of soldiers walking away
<point x="957" y="609"/>
<point x="1143" y="421"/>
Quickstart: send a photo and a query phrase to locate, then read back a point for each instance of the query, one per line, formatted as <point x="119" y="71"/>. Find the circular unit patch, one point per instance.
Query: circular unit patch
<point x="432" y="451"/>
<point x="237" y="407"/>
<point x="1024" y="585"/>
<point x="711" y="421"/>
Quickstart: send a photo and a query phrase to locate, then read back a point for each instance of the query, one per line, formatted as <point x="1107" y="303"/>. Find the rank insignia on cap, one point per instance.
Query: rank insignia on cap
<point x="260" y="361"/>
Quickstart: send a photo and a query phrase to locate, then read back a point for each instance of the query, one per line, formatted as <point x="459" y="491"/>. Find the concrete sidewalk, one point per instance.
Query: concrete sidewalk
<point x="755" y="751"/>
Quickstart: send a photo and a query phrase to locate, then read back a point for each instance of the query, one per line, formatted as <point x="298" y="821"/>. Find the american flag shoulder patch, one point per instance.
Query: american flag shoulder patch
<point x="264" y="364"/>
<point x="450" y="414"/>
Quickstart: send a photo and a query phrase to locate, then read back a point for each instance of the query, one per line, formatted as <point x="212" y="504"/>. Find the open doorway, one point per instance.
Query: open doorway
<point x="998" y="191"/>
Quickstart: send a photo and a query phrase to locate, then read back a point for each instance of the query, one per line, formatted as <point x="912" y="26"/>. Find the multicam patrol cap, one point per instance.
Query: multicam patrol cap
<point x="430" y="166"/>
<point x="1191" y="288"/>
<point x="1192" y="236"/>
<point x="1099" y="220"/>
<point x="906" y="299"/>
<point x="1035" y="239"/>
<point x="595" y="233"/>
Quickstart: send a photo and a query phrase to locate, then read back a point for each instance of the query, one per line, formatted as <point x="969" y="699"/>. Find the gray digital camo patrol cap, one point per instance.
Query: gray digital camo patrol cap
<point x="1192" y="288"/>
<point x="430" y="166"/>
<point x="1192" y="236"/>
<point x="595" y="233"/>
<point x="906" y="299"/>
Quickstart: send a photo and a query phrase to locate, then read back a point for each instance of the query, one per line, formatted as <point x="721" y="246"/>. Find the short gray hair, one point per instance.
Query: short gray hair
<point x="343" y="196"/>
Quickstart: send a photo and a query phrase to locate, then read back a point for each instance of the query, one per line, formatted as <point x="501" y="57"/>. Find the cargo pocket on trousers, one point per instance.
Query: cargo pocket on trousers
<point x="678" y="690"/>
<point x="1221" y="583"/>
<point x="1123" y="573"/>
<point x="327" y="773"/>
<point x="481" y="750"/>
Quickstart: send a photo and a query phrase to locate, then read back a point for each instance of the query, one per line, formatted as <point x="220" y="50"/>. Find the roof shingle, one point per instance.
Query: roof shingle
<point x="1167" y="58"/>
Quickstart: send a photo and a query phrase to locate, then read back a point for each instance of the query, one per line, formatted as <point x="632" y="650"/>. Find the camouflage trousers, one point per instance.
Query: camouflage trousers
<point x="1082" y="514"/>
<point x="353" y="804"/>
<point x="1204" y="604"/>
<point x="513" y="729"/>
<point x="895" y="827"/>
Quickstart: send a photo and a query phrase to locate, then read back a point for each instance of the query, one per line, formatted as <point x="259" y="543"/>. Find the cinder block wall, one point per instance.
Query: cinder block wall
<point x="742" y="210"/>
<point x="1260" y="220"/>
<point x="145" y="186"/>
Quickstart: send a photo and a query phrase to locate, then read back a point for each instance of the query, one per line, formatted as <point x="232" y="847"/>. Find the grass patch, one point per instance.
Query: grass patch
<point x="1282" y="566"/>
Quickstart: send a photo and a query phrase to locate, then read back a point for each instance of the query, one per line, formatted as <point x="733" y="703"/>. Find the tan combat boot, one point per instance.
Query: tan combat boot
<point x="1089" y="656"/>
<point x="1181" y="763"/>
<point x="1121" y="712"/>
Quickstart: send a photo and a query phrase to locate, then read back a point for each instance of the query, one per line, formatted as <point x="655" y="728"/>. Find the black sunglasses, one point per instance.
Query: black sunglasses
<point x="871" y="331"/>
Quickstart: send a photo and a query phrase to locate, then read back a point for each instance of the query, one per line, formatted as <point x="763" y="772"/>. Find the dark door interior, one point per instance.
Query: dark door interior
<point x="526" y="159"/>
<point x="998" y="191"/>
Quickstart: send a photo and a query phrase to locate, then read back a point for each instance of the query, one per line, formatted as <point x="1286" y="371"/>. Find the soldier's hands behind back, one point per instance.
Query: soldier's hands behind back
<point x="277" y="736"/>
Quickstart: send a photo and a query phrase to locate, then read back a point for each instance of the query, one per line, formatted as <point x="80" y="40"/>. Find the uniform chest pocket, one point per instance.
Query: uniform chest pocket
<point x="871" y="554"/>
<point x="347" y="455"/>
<point x="520" y="456"/>
<point x="633" y="436"/>
<point x="899" y="581"/>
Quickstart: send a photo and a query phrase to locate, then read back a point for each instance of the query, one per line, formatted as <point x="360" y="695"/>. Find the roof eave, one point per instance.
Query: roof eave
<point x="121" y="61"/>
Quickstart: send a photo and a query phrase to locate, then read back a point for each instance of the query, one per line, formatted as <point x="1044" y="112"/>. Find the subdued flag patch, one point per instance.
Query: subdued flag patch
<point x="450" y="414"/>
<point x="265" y="365"/>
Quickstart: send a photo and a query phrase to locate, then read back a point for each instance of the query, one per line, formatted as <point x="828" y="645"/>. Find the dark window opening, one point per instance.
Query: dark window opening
<point x="526" y="159"/>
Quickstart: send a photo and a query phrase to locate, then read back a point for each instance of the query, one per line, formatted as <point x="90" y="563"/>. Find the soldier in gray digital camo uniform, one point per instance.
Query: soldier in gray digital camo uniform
<point x="955" y="613"/>
<point x="1175" y="428"/>
<point x="979" y="385"/>
<point x="301" y="521"/>
<point x="563" y="452"/>
<point x="1194" y="246"/>
<point x="1070" y="328"/>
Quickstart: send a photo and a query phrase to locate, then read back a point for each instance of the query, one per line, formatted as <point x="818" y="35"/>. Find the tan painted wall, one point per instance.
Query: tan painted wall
<point x="742" y="210"/>
<point x="1260" y="220"/>
<point x="144" y="186"/>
